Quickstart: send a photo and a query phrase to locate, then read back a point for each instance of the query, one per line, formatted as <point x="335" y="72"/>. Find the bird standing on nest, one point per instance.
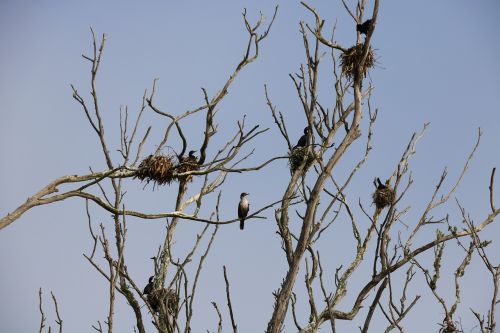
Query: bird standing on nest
<point x="379" y="185"/>
<point x="149" y="287"/>
<point x="191" y="159"/>
<point x="243" y="208"/>
<point x="303" y="139"/>
<point x="365" y="27"/>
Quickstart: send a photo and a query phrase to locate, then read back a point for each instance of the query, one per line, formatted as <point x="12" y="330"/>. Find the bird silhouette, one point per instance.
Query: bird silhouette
<point x="365" y="27"/>
<point x="149" y="287"/>
<point x="243" y="208"/>
<point x="191" y="155"/>
<point x="380" y="186"/>
<point x="303" y="139"/>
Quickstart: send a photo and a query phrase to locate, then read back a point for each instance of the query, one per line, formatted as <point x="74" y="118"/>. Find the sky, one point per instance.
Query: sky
<point x="436" y="62"/>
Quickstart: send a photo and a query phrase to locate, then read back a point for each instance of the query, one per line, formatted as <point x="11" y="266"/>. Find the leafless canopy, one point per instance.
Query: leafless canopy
<point x="312" y="196"/>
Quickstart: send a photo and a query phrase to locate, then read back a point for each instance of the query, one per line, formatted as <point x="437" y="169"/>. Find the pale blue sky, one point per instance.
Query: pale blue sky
<point x="437" y="63"/>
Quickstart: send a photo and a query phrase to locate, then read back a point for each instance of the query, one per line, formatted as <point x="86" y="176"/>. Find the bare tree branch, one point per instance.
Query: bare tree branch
<point x="229" y="305"/>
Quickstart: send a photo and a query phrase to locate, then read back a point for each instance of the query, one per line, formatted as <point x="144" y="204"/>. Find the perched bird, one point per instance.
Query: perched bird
<point x="379" y="185"/>
<point x="187" y="164"/>
<point x="243" y="207"/>
<point x="365" y="27"/>
<point x="303" y="139"/>
<point x="190" y="159"/>
<point x="191" y="155"/>
<point x="149" y="287"/>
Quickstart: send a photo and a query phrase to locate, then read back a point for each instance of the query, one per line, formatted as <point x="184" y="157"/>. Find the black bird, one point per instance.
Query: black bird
<point x="365" y="27"/>
<point x="243" y="208"/>
<point x="149" y="287"/>
<point x="303" y="139"/>
<point x="380" y="186"/>
<point x="191" y="159"/>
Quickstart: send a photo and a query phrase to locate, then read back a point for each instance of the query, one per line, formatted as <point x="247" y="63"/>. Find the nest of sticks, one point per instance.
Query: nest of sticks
<point x="350" y="60"/>
<point x="161" y="169"/>
<point x="156" y="168"/>
<point x="186" y="164"/>
<point x="166" y="298"/>
<point x="297" y="156"/>
<point x="383" y="197"/>
<point x="448" y="326"/>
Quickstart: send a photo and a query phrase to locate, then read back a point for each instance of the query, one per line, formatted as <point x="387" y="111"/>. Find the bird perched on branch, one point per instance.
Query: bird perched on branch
<point x="149" y="287"/>
<point x="303" y="139"/>
<point x="365" y="27"/>
<point x="243" y="208"/>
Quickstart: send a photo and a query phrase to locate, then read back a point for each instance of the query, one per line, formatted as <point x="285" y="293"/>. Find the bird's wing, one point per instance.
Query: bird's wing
<point x="302" y="141"/>
<point x="240" y="211"/>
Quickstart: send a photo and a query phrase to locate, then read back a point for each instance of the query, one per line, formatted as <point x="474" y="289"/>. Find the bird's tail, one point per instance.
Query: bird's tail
<point x="242" y="224"/>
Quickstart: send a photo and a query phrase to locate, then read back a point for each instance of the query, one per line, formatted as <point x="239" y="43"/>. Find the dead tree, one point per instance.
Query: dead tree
<point x="171" y="291"/>
<point x="314" y="192"/>
<point x="332" y="131"/>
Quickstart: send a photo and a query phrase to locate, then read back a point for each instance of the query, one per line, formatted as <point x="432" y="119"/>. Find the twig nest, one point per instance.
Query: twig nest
<point x="187" y="164"/>
<point x="449" y="326"/>
<point x="383" y="197"/>
<point x="166" y="298"/>
<point x="350" y="60"/>
<point x="297" y="156"/>
<point x="156" y="168"/>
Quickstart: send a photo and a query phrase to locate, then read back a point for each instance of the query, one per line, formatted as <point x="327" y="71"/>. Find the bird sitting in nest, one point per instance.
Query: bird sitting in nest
<point x="303" y="139"/>
<point x="191" y="157"/>
<point x="150" y="286"/>
<point x="384" y="194"/>
<point x="364" y="27"/>
<point x="186" y="164"/>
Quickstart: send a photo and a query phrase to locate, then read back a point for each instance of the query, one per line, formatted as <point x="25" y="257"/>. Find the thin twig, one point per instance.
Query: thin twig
<point x="40" y="307"/>
<point x="59" y="321"/>
<point x="229" y="305"/>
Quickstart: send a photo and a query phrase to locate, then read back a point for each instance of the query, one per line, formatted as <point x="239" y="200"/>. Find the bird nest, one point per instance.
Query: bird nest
<point x="449" y="326"/>
<point x="351" y="58"/>
<point x="157" y="168"/>
<point x="297" y="156"/>
<point x="186" y="164"/>
<point x="383" y="197"/>
<point x="164" y="298"/>
<point x="161" y="169"/>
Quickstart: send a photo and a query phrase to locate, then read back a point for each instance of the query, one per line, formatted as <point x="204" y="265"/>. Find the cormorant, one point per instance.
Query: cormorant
<point x="364" y="27"/>
<point x="243" y="207"/>
<point x="303" y="139"/>
<point x="190" y="159"/>
<point x="191" y="155"/>
<point x="149" y="287"/>
<point x="380" y="186"/>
